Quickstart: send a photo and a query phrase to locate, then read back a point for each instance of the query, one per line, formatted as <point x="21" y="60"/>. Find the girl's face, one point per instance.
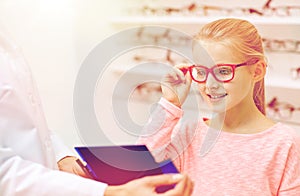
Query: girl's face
<point x="223" y="96"/>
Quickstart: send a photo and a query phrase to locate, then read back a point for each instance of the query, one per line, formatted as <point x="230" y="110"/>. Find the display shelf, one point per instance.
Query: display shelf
<point x="295" y="123"/>
<point x="136" y="71"/>
<point x="200" y="20"/>
<point x="285" y="83"/>
<point x="280" y="82"/>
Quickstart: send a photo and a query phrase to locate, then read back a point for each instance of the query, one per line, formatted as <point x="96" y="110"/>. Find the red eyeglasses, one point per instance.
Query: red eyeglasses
<point x="221" y="72"/>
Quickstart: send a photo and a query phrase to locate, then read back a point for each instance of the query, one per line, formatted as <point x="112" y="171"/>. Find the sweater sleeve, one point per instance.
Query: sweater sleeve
<point x="290" y="182"/>
<point x="158" y="133"/>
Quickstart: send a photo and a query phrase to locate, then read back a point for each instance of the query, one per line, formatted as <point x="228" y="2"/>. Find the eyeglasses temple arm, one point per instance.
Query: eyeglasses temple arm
<point x="184" y="70"/>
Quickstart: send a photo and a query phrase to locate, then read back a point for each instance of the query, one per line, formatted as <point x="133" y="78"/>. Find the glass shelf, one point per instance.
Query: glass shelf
<point x="285" y="83"/>
<point x="274" y="81"/>
<point x="196" y="20"/>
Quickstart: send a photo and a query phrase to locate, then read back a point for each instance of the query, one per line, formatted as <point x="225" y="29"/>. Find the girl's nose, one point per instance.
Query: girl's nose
<point x="211" y="82"/>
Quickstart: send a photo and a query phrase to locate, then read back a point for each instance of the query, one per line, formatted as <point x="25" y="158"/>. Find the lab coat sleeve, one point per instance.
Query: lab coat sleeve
<point x="60" y="149"/>
<point x="19" y="177"/>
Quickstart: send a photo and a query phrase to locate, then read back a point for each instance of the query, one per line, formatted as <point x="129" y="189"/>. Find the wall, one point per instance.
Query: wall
<point x="56" y="36"/>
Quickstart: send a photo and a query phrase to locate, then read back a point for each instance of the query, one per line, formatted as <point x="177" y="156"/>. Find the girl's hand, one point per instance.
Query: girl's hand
<point x="176" y="85"/>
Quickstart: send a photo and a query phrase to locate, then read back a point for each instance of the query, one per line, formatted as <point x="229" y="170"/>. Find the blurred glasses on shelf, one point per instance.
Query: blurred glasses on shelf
<point x="170" y="57"/>
<point x="149" y="87"/>
<point x="166" y="37"/>
<point x="197" y="10"/>
<point x="162" y="11"/>
<point x="194" y="9"/>
<point x="152" y="91"/>
<point x="295" y="73"/>
<point x="275" y="45"/>
<point x="280" y="10"/>
<point x="282" y="110"/>
<point x="148" y="91"/>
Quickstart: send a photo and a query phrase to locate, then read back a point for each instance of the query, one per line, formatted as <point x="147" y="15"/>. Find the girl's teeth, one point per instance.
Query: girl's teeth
<point x="217" y="96"/>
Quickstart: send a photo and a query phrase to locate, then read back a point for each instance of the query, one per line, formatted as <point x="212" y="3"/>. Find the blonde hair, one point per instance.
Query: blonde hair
<point x="243" y="37"/>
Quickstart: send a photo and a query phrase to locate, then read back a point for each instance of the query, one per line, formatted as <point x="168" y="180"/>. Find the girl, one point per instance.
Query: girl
<point x="238" y="151"/>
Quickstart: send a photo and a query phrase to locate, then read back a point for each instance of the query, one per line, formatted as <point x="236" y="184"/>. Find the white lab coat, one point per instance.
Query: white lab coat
<point x="28" y="150"/>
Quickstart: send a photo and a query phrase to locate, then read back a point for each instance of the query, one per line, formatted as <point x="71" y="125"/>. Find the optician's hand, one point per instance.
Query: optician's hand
<point x="69" y="164"/>
<point x="146" y="186"/>
<point x="176" y="86"/>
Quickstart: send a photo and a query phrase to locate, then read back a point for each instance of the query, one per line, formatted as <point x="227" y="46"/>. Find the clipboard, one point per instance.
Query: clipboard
<point x="116" y="165"/>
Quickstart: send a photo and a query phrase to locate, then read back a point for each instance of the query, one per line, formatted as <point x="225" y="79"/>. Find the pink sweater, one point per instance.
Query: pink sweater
<point x="261" y="164"/>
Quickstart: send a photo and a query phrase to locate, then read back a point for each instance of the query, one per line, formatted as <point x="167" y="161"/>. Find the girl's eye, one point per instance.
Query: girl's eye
<point x="198" y="72"/>
<point x="224" y="71"/>
<point x="201" y="72"/>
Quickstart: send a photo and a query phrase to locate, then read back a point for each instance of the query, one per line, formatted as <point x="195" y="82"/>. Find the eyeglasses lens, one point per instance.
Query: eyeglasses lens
<point x="199" y="74"/>
<point x="223" y="73"/>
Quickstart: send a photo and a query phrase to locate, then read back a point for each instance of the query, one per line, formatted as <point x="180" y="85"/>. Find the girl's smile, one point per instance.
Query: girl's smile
<point x="216" y="97"/>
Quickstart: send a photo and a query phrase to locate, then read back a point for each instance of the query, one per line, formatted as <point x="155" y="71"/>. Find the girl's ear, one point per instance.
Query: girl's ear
<point x="259" y="71"/>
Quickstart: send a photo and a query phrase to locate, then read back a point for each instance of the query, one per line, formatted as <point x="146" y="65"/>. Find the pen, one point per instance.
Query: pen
<point x="83" y="166"/>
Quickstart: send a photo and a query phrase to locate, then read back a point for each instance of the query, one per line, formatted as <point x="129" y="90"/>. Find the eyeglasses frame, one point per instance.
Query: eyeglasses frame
<point x="210" y="70"/>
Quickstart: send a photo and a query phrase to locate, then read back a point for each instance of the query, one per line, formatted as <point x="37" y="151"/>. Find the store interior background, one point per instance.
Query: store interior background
<point x="55" y="37"/>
